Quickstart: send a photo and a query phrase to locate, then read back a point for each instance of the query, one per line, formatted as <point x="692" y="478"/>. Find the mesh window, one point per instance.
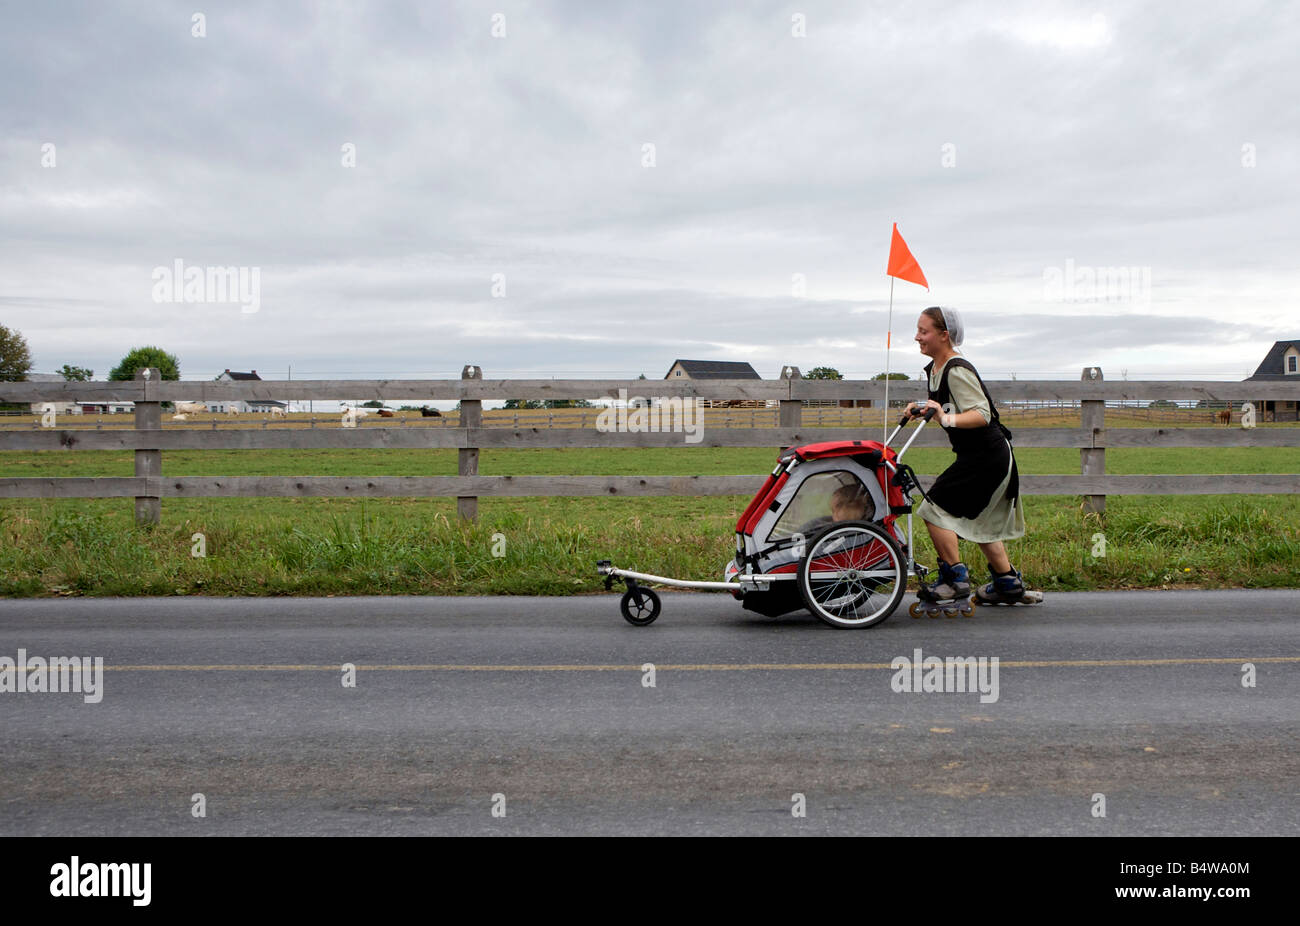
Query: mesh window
<point x="823" y="498"/>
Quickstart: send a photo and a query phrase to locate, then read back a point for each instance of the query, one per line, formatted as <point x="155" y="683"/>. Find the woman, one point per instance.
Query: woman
<point x="977" y="497"/>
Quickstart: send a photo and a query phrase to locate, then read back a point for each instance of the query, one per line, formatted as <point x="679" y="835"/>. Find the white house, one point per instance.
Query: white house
<point x="254" y="405"/>
<point x="1282" y="364"/>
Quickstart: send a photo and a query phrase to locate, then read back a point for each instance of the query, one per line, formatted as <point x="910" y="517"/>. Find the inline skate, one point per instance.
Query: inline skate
<point x="1008" y="589"/>
<point x="949" y="596"/>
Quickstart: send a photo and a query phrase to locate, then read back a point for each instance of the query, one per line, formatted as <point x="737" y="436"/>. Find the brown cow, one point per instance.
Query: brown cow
<point x="385" y="413"/>
<point x="1225" y="416"/>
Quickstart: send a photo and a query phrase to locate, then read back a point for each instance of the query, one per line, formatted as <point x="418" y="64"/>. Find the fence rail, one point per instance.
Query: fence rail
<point x="468" y="435"/>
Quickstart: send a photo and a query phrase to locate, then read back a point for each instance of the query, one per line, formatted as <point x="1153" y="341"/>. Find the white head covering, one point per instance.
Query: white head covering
<point x="952" y="321"/>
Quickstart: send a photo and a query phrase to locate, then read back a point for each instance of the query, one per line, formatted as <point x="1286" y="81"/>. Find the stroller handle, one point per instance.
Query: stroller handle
<point x="902" y="422"/>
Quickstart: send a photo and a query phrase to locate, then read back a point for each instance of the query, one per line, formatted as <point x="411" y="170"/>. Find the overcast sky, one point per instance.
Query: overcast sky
<point x="1010" y="143"/>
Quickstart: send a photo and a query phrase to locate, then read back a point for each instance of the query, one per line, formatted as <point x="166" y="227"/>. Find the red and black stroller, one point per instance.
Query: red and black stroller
<point x="822" y="533"/>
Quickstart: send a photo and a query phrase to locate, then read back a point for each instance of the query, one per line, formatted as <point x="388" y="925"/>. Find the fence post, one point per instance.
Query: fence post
<point x="1092" y="459"/>
<point x="791" y="413"/>
<point x="148" y="416"/>
<point x="471" y="416"/>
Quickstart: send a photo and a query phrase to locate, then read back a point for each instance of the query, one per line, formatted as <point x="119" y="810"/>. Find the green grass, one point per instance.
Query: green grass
<point x="291" y="546"/>
<point x="666" y="461"/>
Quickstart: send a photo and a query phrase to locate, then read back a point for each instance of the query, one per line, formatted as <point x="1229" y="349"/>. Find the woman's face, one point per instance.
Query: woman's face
<point x="929" y="337"/>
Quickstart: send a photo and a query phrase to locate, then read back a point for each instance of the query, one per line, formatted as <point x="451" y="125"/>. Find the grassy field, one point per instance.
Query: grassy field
<point x="549" y="545"/>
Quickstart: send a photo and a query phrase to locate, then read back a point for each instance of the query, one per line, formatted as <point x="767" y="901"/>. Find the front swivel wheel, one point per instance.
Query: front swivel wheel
<point x="640" y="606"/>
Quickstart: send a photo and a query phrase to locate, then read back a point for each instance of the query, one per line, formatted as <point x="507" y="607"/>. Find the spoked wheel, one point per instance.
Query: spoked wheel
<point x="640" y="606"/>
<point x="853" y="575"/>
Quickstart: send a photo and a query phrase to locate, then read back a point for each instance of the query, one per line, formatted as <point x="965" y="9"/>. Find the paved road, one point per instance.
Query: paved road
<point x="1136" y="696"/>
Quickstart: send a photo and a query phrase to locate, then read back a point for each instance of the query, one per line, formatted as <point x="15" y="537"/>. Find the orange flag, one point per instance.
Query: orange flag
<point x="901" y="262"/>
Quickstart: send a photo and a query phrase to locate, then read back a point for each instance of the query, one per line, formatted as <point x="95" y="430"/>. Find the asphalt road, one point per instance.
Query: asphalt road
<point x="1134" y="696"/>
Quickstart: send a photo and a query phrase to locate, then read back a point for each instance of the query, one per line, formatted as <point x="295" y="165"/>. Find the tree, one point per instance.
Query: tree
<point x="168" y="366"/>
<point x="76" y="374"/>
<point x="373" y="403"/>
<point x="516" y="404"/>
<point x="15" y="358"/>
<point x="823" y="373"/>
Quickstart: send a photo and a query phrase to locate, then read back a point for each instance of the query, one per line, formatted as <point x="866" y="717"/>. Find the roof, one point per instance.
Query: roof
<point x="234" y="375"/>
<point x="716" y="369"/>
<point x="1271" y="367"/>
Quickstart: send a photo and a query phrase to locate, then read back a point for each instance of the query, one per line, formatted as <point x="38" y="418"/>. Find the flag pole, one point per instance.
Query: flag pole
<point x="884" y="428"/>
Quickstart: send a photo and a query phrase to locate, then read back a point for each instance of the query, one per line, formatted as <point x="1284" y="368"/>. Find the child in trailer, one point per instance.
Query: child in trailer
<point x="978" y="497"/>
<point x="852" y="503"/>
<point x="849" y="502"/>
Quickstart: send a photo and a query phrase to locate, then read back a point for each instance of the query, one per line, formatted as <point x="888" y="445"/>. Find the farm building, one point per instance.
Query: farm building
<point x="711" y="369"/>
<point x="76" y="406"/>
<point x="60" y="408"/>
<point x="716" y="369"/>
<point x="1282" y="364"/>
<point x="255" y="405"/>
<point x="105" y="408"/>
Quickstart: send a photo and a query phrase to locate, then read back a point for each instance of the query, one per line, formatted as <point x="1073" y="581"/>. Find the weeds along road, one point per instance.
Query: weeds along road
<point x="1127" y="702"/>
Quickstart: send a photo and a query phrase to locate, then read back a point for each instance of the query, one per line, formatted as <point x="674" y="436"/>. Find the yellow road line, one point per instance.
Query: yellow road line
<point x="719" y="667"/>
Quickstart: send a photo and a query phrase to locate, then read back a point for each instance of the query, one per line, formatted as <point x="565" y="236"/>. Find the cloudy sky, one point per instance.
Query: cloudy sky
<point x="582" y="188"/>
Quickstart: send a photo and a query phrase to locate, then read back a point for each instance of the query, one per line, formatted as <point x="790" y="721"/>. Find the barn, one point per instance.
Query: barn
<point x="716" y="369"/>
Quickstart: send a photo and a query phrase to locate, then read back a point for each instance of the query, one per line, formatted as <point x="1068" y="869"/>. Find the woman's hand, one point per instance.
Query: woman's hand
<point x="916" y="411"/>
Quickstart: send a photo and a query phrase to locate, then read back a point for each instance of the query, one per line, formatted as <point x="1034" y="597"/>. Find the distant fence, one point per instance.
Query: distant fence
<point x="149" y="440"/>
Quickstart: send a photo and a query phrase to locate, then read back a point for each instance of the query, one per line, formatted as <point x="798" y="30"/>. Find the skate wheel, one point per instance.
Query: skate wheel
<point x="978" y="601"/>
<point x="914" y="609"/>
<point x="949" y="612"/>
<point x="968" y="610"/>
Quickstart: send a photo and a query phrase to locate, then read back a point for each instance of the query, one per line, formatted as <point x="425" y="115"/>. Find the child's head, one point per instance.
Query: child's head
<point x="851" y="503"/>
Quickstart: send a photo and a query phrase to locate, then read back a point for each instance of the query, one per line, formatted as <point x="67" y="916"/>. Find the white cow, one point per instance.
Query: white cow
<point x="180" y="417"/>
<point x="351" y="414"/>
<point x="277" y="412"/>
<point x="191" y="408"/>
<point x="232" y="409"/>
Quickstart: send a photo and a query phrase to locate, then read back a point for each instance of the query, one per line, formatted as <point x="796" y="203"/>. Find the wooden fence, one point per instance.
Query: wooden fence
<point x="149" y="440"/>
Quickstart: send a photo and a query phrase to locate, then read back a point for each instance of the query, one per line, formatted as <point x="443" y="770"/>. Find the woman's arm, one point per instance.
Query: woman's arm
<point x="966" y="394"/>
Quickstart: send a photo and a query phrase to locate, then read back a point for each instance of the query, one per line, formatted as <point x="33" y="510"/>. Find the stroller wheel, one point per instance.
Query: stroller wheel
<point x="642" y="612"/>
<point x="853" y="574"/>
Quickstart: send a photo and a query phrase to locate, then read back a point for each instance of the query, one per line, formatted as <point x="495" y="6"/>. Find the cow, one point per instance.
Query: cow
<point x="427" y="412"/>
<point x="191" y="408"/>
<point x="277" y="412"/>
<point x="180" y="417"/>
<point x="352" y="414"/>
<point x="385" y="413"/>
<point x="1225" y="416"/>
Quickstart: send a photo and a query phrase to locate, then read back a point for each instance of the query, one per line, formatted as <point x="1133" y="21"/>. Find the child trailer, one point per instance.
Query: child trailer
<point x="822" y="533"/>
